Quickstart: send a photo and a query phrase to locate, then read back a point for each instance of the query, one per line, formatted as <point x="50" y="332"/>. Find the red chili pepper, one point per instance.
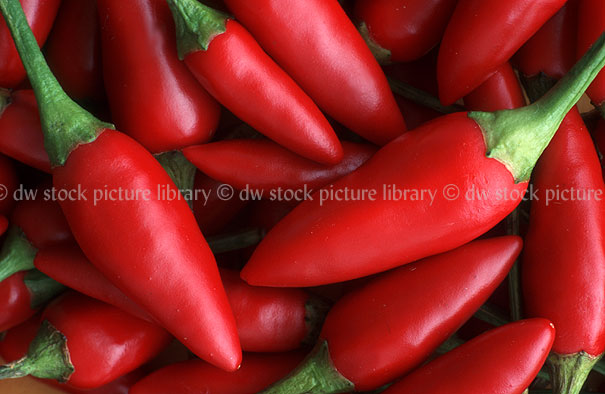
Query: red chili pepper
<point x="500" y="91"/>
<point x="152" y="95"/>
<point x="502" y="361"/>
<point x="22" y="294"/>
<point x="402" y="30"/>
<point x="564" y="276"/>
<point x="195" y="376"/>
<point x="591" y="24"/>
<point x="266" y="167"/>
<point x="133" y="242"/>
<point x="73" y="50"/>
<point x="87" y="343"/>
<point x="305" y="36"/>
<point x="21" y="135"/>
<point x="389" y="326"/>
<point x="481" y="36"/>
<point x="40" y="15"/>
<point x="231" y="65"/>
<point x="347" y="232"/>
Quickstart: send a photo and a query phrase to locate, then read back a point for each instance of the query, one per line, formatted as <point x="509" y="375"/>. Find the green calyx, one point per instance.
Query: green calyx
<point x="518" y="137"/>
<point x="382" y="55"/>
<point x="42" y="288"/>
<point x="180" y="170"/>
<point x="316" y="310"/>
<point x="196" y="25"/>
<point x="227" y="243"/>
<point x="17" y="253"/>
<point x="569" y="372"/>
<point x="47" y="357"/>
<point x="315" y="375"/>
<point x="65" y="124"/>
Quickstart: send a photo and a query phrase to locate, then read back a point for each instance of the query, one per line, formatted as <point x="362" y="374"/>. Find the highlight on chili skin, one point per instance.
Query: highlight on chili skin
<point x="302" y="196"/>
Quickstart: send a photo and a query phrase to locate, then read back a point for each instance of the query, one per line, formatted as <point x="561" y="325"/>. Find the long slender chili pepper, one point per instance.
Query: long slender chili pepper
<point x="133" y="242"/>
<point x="501" y="361"/>
<point x="87" y="343"/>
<point x="477" y="42"/>
<point x="591" y="23"/>
<point x="500" y="91"/>
<point x="21" y="135"/>
<point x="402" y="30"/>
<point x="388" y="327"/>
<point x="476" y="165"/>
<point x="152" y="95"/>
<point x="304" y="36"/>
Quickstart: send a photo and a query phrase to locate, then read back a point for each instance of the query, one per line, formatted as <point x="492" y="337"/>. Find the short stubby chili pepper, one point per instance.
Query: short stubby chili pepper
<point x="358" y="226"/>
<point x="40" y="15"/>
<point x="563" y="276"/>
<point x="504" y="360"/>
<point x="133" y="242"/>
<point x="306" y="36"/>
<point x="265" y="166"/>
<point x="73" y="51"/>
<point x="22" y="294"/>
<point x="500" y="91"/>
<point x="481" y="36"/>
<point x="402" y="30"/>
<point x="591" y="23"/>
<point x="87" y="343"/>
<point x="393" y="323"/>
<point x="231" y="65"/>
<point x="21" y="135"/>
<point x="152" y="95"/>
<point x="195" y="376"/>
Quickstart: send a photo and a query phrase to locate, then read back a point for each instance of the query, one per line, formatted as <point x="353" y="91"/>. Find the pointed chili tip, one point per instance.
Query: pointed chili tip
<point x="569" y="371"/>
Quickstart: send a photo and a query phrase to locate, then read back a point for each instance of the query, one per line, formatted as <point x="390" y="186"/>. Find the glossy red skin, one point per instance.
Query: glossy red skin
<point x="21" y="135"/>
<point x="42" y="221"/>
<point x="481" y="36"/>
<point x="563" y="276"/>
<point x="40" y="15"/>
<point x="73" y="50"/>
<point x="552" y="50"/>
<point x="591" y="24"/>
<point x="236" y="71"/>
<point x="344" y="240"/>
<point x="152" y="95"/>
<point x="104" y="343"/>
<point x="393" y="323"/>
<point x="264" y="165"/>
<point x="305" y="36"/>
<point x="407" y="28"/>
<point x="15" y="299"/>
<point x="123" y="241"/>
<point x="8" y="184"/>
<point x="194" y="376"/>
<point x="502" y="361"/>
<point x="598" y="136"/>
<point x="500" y="91"/>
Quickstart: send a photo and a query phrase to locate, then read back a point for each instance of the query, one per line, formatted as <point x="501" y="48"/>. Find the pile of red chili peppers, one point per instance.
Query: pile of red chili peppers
<point x="303" y="196"/>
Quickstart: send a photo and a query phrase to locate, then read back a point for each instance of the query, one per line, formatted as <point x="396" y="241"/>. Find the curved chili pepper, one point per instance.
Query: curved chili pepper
<point x="87" y="343"/>
<point x="22" y="294"/>
<point x="195" y="376"/>
<point x="504" y="360"/>
<point x="402" y="30"/>
<point x="133" y="242"/>
<point x="40" y="15"/>
<point x="481" y="36"/>
<point x="152" y="95"/>
<point x="393" y="323"/>
<point x="305" y="36"/>
<point x="591" y="23"/>
<point x="21" y="135"/>
<point x="73" y="50"/>
<point x="231" y="65"/>
<point x="382" y="215"/>
<point x="563" y="276"/>
<point x="265" y="166"/>
<point x="500" y="91"/>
